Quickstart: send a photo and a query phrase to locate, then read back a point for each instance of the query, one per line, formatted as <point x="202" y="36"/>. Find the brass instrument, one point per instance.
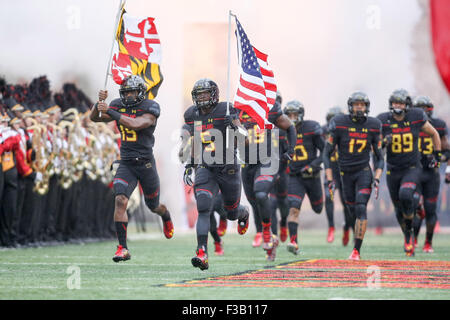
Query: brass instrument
<point x="39" y="164"/>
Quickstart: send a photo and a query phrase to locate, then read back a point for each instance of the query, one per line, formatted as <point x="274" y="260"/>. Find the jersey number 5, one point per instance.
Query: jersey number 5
<point x="128" y="134"/>
<point x="206" y="138"/>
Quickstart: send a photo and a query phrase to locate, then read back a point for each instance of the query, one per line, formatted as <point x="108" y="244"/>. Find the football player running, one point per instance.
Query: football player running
<point x="430" y="179"/>
<point x="262" y="157"/>
<point x="349" y="221"/>
<point x="356" y="135"/>
<point x="216" y="167"/>
<point x="304" y="169"/>
<point x="136" y="117"/>
<point x="401" y="128"/>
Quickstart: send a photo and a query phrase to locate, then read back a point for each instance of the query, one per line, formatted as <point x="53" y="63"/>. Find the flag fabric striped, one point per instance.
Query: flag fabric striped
<point x="137" y="52"/>
<point x="257" y="89"/>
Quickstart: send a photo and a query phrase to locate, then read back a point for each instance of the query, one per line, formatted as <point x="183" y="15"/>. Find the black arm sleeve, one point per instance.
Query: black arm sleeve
<point x="378" y="155"/>
<point x="319" y="142"/>
<point x="329" y="145"/>
<point x="291" y="134"/>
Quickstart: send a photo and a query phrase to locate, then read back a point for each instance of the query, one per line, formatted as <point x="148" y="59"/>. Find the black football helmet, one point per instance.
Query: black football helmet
<point x="425" y="103"/>
<point x="295" y="106"/>
<point x="133" y="83"/>
<point x="332" y="112"/>
<point x="358" y="97"/>
<point x="205" y="85"/>
<point x="400" y="96"/>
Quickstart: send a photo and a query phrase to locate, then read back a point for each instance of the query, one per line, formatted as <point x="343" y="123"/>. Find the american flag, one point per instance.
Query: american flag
<point x="257" y="89"/>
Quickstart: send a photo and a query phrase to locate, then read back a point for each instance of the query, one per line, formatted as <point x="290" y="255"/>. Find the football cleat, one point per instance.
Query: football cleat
<point x="201" y="259"/>
<point x="415" y="243"/>
<point x="257" y="240"/>
<point x="346" y="237"/>
<point x="283" y="233"/>
<point x="122" y="254"/>
<point x="243" y="224"/>
<point x="355" y="255"/>
<point x="168" y="229"/>
<point x="218" y="248"/>
<point x="222" y="229"/>
<point x="270" y="256"/>
<point x="409" y="247"/>
<point x="437" y="227"/>
<point x="427" y="248"/>
<point x="330" y="237"/>
<point x="293" y="247"/>
<point x="379" y="231"/>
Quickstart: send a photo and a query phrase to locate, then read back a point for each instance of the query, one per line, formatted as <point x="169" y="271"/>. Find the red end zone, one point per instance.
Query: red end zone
<point x="338" y="273"/>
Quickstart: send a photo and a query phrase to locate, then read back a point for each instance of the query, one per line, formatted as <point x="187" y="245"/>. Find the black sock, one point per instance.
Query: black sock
<point x="283" y="222"/>
<point x="358" y="243"/>
<point x="215" y="235"/>
<point x="202" y="241"/>
<point x="166" y="216"/>
<point x="121" y="232"/>
<point x="429" y="237"/>
<point x="408" y="229"/>
<point x="293" y="226"/>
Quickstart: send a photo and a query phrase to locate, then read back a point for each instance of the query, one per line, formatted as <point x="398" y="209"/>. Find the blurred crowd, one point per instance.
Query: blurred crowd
<point x="55" y="177"/>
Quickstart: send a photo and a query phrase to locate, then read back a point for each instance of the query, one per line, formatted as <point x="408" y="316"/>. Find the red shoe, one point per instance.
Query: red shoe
<point x="272" y="252"/>
<point x="355" y="255"/>
<point x="257" y="240"/>
<point x="346" y="237"/>
<point x="283" y="234"/>
<point x="200" y="260"/>
<point x="168" y="229"/>
<point x="243" y="224"/>
<point x="379" y="231"/>
<point x="293" y="247"/>
<point x="267" y="239"/>
<point x="437" y="227"/>
<point x="409" y="247"/>
<point x="415" y="243"/>
<point x="427" y="248"/>
<point x="330" y="237"/>
<point x="122" y="254"/>
<point x="222" y="229"/>
<point x="218" y="248"/>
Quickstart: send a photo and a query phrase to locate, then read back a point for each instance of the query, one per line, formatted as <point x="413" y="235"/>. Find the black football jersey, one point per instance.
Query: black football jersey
<point x="309" y="142"/>
<point x="258" y="138"/>
<point x="354" y="140"/>
<point x="204" y="124"/>
<point x="404" y="151"/>
<point x="426" y="143"/>
<point x="136" y="143"/>
<point x="325" y="134"/>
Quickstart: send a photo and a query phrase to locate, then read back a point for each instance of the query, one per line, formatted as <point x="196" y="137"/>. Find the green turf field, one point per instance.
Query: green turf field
<point x="44" y="273"/>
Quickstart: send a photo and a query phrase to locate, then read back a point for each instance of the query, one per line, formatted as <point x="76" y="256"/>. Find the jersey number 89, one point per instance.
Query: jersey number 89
<point x="402" y="143"/>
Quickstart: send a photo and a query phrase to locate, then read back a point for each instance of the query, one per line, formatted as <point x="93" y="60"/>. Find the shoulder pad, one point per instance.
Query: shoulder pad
<point x="150" y="106"/>
<point x="189" y="114"/>
<point x="116" y="103"/>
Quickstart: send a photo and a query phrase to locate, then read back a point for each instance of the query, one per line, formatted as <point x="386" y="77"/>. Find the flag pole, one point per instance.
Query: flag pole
<point x="228" y="73"/>
<point x="119" y="11"/>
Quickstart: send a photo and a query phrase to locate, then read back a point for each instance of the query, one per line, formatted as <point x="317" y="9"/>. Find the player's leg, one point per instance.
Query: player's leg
<point x="218" y="244"/>
<point x="348" y="185"/>
<point x="296" y="194"/>
<point x="393" y="180"/>
<point x="281" y="190"/>
<point x="149" y="180"/>
<point x="124" y="183"/>
<point x="430" y="197"/>
<point x="218" y="207"/>
<point x="229" y="183"/>
<point x="363" y="191"/>
<point x="205" y="189"/>
<point x="407" y="196"/>
<point x="273" y="213"/>
<point x="248" y="173"/>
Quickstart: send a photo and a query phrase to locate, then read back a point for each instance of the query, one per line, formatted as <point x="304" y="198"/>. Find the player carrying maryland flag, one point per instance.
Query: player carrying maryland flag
<point x="355" y="136"/>
<point x="136" y="117"/>
<point x="401" y="130"/>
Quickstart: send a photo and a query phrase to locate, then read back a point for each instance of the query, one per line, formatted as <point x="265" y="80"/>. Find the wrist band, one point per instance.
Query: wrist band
<point x="114" y="114"/>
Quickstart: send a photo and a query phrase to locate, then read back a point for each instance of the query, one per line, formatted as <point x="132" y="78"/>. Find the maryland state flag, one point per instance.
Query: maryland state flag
<point x="138" y="52"/>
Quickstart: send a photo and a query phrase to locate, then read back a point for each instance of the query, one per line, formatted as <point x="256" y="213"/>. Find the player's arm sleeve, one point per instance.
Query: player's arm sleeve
<point x="319" y="142"/>
<point x="378" y="156"/>
<point x="291" y="134"/>
<point x="330" y="144"/>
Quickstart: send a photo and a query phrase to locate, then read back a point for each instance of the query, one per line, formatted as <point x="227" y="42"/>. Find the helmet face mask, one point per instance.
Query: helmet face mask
<point x="200" y="92"/>
<point x="129" y="85"/>
<point x="296" y="108"/>
<point x="397" y="99"/>
<point x="358" y="98"/>
<point x="425" y="103"/>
